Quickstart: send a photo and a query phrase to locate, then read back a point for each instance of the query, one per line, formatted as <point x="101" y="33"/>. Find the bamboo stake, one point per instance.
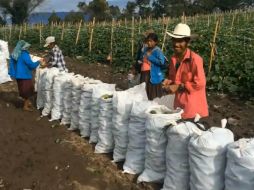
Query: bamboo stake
<point x="91" y="36"/>
<point x="165" y="35"/>
<point x="213" y="46"/>
<point x="40" y="33"/>
<point x="139" y="24"/>
<point x="10" y="32"/>
<point x="125" y="22"/>
<point x="132" y="37"/>
<point x="111" y="41"/>
<point x="20" y="31"/>
<point x="77" y="38"/>
<point x="232" y="23"/>
<point x="208" y="20"/>
<point x="62" y="34"/>
<point x="183" y="18"/>
<point x="25" y="28"/>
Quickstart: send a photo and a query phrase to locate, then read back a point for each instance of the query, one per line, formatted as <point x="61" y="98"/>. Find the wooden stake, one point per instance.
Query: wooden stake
<point x="20" y="31"/>
<point x="139" y="24"/>
<point x="213" y="46"/>
<point x="62" y="34"/>
<point x="132" y="37"/>
<point x="165" y="35"/>
<point x="232" y="23"/>
<point x="10" y="32"/>
<point x="111" y="41"/>
<point x="40" y="33"/>
<point x="77" y="38"/>
<point x="91" y="36"/>
<point x="183" y="18"/>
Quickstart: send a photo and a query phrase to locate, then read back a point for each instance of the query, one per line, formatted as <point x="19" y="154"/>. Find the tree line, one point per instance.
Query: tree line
<point x="19" y="10"/>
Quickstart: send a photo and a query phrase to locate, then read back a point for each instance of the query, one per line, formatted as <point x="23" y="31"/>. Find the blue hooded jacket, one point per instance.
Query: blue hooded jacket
<point x="157" y="60"/>
<point x="22" y="68"/>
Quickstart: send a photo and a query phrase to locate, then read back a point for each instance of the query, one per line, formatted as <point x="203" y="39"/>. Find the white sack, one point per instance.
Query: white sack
<point x="4" y="55"/>
<point x="98" y="91"/>
<point x="67" y="101"/>
<point x="105" y="137"/>
<point x="156" y="142"/>
<point x="51" y="73"/>
<point x="240" y="165"/>
<point x="135" y="156"/>
<point x="207" y="158"/>
<point x="58" y="91"/>
<point x="76" y="95"/>
<point x="122" y="105"/>
<point x="85" y="108"/>
<point x="40" y="85"/>
<point x="177" y="159"/>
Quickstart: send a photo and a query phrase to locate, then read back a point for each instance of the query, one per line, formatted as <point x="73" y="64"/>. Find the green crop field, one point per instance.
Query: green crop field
<point x="232" y="63"/>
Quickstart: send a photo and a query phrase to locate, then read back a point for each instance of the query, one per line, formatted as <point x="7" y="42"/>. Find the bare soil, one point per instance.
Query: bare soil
<point x="40" y="155"/>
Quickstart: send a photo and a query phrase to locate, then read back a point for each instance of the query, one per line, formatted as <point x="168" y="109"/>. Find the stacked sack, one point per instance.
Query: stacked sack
<point x="105" y="136"/>
<point x="207" y="158"/>
<point x="40" y="86"/>
<point x="67" y="100"/>
<point x="4" y="55"/>
<point x="122" y="105"/>
<point x="177" y="159"/>
<point x="156" y="141"/>
<point x="48" y="90"/>
<point x="85" y="108"/>
<point x="240" y="165"/>
<point x="58" y="91"/>
<point x="77" y="84"/>
<point x="98" y="91"/>
<point x="135" y="156"/>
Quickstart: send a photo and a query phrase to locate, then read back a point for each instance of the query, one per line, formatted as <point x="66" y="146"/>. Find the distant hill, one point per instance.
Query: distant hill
<point x="43" y="17"/>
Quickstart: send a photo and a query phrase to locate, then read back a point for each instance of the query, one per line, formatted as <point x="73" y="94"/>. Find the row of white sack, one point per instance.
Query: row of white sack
<point x="77" y="101"/>
<point x="147" y="144"/>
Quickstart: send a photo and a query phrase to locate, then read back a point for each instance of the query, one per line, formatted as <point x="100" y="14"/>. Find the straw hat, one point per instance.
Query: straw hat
<point x="181" y="31"/>
<point x="49" y="40"/>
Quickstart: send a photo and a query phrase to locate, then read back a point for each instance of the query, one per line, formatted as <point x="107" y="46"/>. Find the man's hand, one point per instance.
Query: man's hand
<point x="43" y="64"/>
<point x="166" y="82"/>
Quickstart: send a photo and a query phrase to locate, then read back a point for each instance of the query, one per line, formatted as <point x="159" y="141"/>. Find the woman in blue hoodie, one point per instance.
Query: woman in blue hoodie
<point x="151" y="69"/>
<point x="21" y="67"/>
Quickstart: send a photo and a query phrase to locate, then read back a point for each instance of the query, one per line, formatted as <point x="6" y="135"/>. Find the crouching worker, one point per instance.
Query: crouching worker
<point x="55" y="56"/>
<point x="133" y="77"/>
<point x="21" y="67"/>
<point x="186" y="76"/>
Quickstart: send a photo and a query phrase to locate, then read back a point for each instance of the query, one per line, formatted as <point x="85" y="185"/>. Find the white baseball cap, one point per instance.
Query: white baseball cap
<point x="49" y="40"/>
<point x="181" y="31"/>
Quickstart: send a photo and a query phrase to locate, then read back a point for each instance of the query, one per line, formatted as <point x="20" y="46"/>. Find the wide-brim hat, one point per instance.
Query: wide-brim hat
<point x="49" y="40"/>
<point x="181" y="31"/>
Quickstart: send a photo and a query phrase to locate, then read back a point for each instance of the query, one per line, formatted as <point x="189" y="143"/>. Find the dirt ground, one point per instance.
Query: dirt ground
<point x="39" y="155"/>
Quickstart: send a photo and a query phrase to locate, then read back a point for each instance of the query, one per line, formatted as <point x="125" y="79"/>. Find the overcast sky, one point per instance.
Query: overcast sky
<point x="68" y="5"/>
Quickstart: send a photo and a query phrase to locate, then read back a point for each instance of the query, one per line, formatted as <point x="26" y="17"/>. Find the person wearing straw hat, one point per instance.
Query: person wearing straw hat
<point x="55" y="56"/>
<point x="186" y="75"/>
<point x="20" y="68"/>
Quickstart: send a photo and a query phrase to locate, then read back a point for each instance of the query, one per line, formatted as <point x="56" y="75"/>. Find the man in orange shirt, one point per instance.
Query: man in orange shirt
<point x="186" y="76"/>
